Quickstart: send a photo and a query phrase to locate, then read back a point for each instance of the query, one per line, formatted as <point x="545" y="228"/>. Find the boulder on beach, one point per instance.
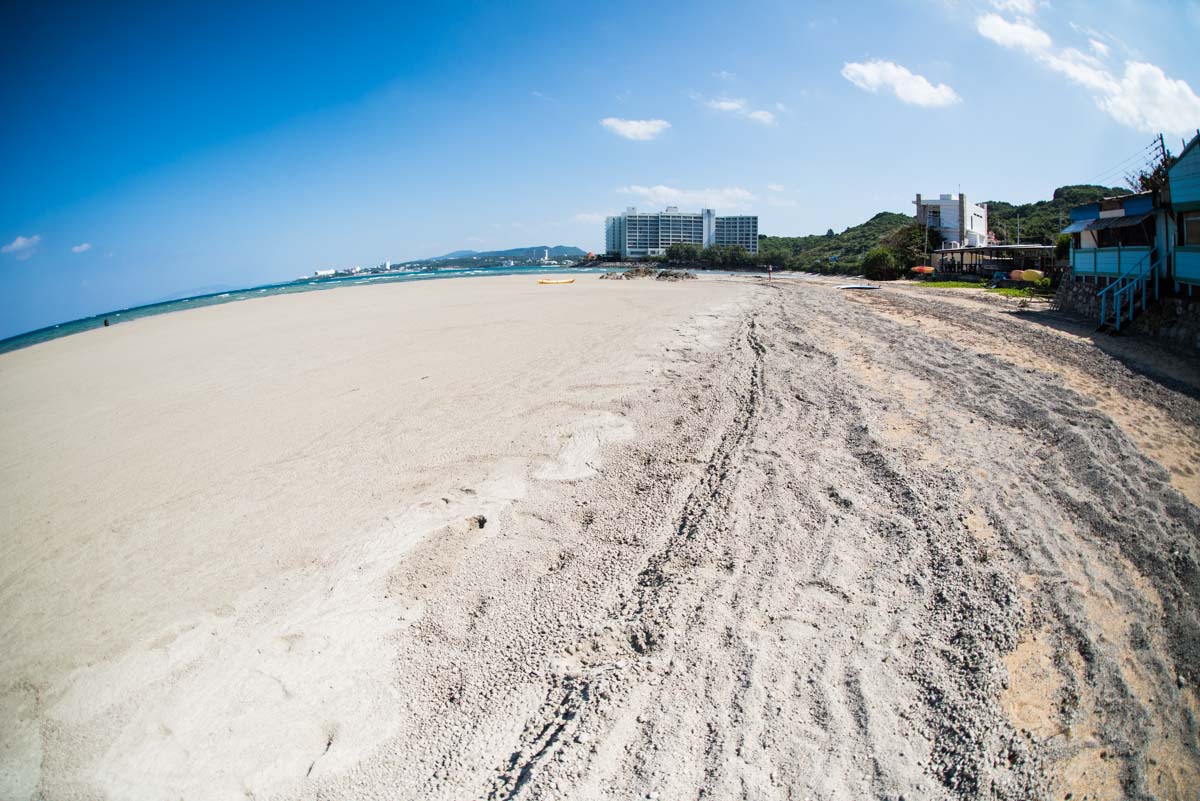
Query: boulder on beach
<point x="674" y="275"/>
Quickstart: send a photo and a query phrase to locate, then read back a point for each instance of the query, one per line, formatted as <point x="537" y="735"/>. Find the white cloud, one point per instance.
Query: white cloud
<point x="1144" y="98"/>
<point x="726" y="104"/>
<point x="915" y="89"/>
<point x="1099" y="47"/>
<point x="639" y="130"/>
<point x="1026" y="7"/>
<point x="1082" y="69"/>
<point x="783" y="108"/>
<point x="589" y="217"/>
<point x="775" y="187"/>
<point x="82" y="247"/>
<point x="22" y="247"/>
<point x="1104" y="39"/>
<point x="1022" y="33"/>
<point x="724" y="75"/>
<point x="1150" y="101"/>
<point x="729" y="197"/>
<point x="734" y="105"/>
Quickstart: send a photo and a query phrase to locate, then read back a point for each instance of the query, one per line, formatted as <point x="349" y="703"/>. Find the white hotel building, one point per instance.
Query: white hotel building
<point x="635" y="234"/>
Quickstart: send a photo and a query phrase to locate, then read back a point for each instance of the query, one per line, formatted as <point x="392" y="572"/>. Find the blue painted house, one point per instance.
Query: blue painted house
<point x="1134" y="245"/>
<point x="1115" y="236"/>
<point x="1184" y="202"/>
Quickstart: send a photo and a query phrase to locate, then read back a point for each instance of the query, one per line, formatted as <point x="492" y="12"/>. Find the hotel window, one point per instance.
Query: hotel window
<point x="1189" y="228"/>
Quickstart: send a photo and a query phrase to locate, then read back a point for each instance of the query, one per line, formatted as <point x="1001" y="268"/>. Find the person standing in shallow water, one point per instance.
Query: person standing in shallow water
<point x="106" y="322"/>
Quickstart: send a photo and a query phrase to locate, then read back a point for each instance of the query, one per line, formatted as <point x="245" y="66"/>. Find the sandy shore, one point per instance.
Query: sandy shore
<point x="485" y="539"/>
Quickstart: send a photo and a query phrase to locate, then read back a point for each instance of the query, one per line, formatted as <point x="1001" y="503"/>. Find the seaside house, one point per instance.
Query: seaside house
<point x="1116" y="236"/>
<point x="1134" y="247"/>
<point x="1183" y="188"/>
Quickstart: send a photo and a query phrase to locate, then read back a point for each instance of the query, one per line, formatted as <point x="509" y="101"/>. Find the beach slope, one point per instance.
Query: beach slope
<point x="620" y="539"/>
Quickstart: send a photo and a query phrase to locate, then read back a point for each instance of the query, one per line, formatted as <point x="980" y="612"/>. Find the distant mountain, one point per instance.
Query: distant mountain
<point x="516" y="254"/>
<point x="1042" y="221"/>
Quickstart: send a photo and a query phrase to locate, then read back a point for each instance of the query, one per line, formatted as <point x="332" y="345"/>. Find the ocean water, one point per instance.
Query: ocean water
<point x="315" y="284"/>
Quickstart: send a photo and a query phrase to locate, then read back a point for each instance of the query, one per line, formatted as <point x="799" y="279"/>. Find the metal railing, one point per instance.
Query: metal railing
<point x="1125" y="289"/>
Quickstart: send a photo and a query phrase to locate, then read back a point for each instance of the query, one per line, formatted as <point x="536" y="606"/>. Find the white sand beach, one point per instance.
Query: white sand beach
<point x="200" y="510"/>
<point x="617" y="539"/>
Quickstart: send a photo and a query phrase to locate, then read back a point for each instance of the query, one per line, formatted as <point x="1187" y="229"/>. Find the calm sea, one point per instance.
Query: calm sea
<point x="125" y="315"/>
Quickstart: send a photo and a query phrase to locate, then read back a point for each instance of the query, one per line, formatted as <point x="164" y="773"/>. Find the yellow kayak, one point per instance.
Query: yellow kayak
<point x="556" y="280"/>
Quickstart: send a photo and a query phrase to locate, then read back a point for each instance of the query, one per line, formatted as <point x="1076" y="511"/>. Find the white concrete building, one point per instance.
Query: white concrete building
<point x="635" y="234"/>
<point x="960" y="223"/>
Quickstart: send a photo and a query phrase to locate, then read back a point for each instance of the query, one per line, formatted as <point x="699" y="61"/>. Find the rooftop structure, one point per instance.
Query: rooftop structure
<point x="637" y="234"/>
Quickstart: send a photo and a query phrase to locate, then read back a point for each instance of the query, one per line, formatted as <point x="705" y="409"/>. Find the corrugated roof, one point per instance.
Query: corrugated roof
<point x="1100" y="223"/>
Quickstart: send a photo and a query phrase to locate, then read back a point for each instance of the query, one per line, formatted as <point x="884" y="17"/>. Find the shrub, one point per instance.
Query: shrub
<point x="880" y="265"/>
<point x="1062" y="248"/>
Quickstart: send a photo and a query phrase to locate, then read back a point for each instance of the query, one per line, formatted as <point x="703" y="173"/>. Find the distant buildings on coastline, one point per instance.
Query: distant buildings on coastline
<point x="636" y="234"/>
<point x="960" y="223"/>
<point x="540" y="256"/>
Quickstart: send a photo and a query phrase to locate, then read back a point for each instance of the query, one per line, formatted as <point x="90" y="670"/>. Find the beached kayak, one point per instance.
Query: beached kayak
<point x="556" y="280"/>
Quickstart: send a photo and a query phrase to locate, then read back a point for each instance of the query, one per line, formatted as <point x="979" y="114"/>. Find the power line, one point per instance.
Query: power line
<point x="1124" y="164"/>
<point x="1120" y="170"/>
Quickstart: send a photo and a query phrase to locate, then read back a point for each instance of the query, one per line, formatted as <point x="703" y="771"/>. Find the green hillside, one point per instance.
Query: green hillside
<point x="831" y="252"/>
<point x="1041" y="222"/>
<point x="898" y="233"/>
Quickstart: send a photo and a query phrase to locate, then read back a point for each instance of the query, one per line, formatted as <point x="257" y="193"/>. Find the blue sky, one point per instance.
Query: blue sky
<point x="154" y="148"/>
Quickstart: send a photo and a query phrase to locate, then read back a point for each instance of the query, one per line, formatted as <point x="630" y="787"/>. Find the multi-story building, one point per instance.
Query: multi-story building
<point x="634" y="234"/>
<point x="960" y="223"/>
<point x="741" y="230"/>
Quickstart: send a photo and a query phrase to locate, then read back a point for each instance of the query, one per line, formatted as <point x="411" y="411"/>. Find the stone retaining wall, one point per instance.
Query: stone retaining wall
<point x="1079" y="297"/>
<point x="1175" y="319"/>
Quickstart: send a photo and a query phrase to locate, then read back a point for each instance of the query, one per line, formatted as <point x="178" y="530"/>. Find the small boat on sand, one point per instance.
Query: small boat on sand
<point x="556" y="280"/>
